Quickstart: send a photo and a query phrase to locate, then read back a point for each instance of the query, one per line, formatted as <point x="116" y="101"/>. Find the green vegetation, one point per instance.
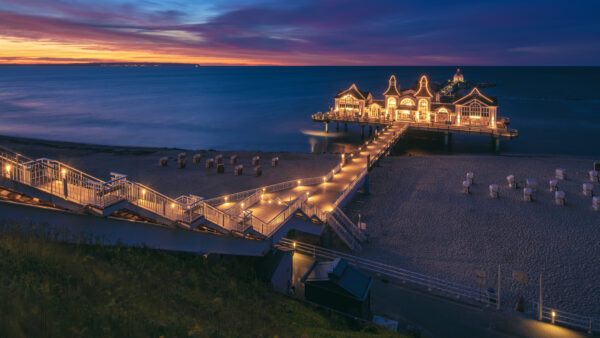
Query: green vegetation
<point x="56" y="289"/>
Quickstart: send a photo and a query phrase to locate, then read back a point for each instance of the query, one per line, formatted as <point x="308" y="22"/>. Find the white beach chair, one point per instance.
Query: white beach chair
<point x="255" y="160"/>
<point x="494" y="191"/>
<point x="466" y="185"/>
<point x="196" y="158"/>
<point x="219" y="159"/>
<point x="233" y="159"/>
<point x="593" y="176"/>
<point x="470" y="177"/>
<point x="511" y="181"/>
<point x="588" y="189"/>
<point x="275" y="161"/>
<point x="527" y="194"/>
<point x="210" y="163"/>
<point x="559" y="198"/>
<point x="596" y="203"/>
<point x="561" y="174"/>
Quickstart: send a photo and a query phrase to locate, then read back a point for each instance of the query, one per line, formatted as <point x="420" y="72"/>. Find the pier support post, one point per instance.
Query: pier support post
<point x="446" y="138"/>
<point x="496" y="141"/>
<point x="377" y="128"/>
<point x="370" y="130"/>
<point x="345" y="126"/>
<point x="366" y="189"/>
<point x="362" y="131"/>
<point x="326" y="127"/>
<point x="337" y="126"/>
<point x="65" y="188"/>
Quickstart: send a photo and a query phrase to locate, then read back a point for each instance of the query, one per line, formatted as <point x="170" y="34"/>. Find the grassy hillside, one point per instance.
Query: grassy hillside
<point x="57" y="289"/>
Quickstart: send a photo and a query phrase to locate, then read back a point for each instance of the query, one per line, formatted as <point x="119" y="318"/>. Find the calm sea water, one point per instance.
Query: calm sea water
<point x="556" y="109"/>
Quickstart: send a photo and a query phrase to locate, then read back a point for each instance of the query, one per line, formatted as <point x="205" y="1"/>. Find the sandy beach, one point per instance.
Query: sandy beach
<point x="418" y="218"/>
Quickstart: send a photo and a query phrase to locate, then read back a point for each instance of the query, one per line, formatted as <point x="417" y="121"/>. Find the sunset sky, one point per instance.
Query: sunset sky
<point x="303" y="32"/>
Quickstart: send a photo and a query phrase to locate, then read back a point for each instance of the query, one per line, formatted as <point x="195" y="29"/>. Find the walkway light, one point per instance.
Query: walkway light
<point x="64" y="173"/>
<point x="226" y="198"/>
<point x="172" y="205"/>
<point x="8" y="168"/>
<point x="143" y="192"/>
<point x="298" y="182"/>
<point x="243" y="205"/>
<point x="553" y="317"/>
<point x="294" y="244"/>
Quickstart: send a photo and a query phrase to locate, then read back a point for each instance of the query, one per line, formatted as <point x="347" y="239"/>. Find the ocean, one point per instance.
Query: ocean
<point x="555" y="109"/>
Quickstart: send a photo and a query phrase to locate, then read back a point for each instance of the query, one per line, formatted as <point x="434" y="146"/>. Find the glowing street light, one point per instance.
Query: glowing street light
<point x="8" y="168"/>
<point x="64" y="173"/>
<point x="553" y="317"/>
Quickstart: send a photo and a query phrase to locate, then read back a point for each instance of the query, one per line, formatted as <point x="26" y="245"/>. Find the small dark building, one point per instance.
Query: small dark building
<point x="339" y="286"/>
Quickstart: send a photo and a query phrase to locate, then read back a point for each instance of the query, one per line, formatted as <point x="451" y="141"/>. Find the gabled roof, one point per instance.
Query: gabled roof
<point x="423" y="88"/>
<point x="353" y="90"/>
<point x="476" y="94"/>
<point x="378" y="102"/>
<point x="392" y="89"/>
<point x="437" y="105"/>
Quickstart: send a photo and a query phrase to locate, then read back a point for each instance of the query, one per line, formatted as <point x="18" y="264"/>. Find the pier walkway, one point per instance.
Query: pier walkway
<point x="260" y="213"/>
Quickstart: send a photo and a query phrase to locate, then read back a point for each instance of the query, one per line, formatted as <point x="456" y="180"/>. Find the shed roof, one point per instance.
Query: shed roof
<point x="338" y="274"/>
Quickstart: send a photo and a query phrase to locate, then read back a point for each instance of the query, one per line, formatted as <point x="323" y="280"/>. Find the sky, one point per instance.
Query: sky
<point x="301" y="32"/>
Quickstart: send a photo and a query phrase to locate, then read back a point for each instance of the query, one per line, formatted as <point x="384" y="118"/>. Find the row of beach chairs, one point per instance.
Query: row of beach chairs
<point x="531" y="187"/>
<point x="218" y="161"/>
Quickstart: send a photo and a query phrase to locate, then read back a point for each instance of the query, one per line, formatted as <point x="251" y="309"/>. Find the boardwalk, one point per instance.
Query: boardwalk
<point x="260" y="211"/>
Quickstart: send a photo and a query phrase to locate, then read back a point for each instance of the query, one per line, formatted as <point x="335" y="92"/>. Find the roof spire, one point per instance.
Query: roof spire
<point x="392" y="89"/>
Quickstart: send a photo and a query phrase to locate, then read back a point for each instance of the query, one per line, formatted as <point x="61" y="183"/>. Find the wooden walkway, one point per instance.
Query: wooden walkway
<point x="261" y="211"/>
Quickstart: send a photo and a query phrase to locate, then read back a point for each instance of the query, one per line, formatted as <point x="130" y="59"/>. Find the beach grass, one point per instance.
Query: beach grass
<point x="54" y="289"/>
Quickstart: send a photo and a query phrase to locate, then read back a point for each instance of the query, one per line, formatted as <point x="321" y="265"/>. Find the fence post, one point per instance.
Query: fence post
<point x="499" y="286"/>
<point x="541" y="302"/>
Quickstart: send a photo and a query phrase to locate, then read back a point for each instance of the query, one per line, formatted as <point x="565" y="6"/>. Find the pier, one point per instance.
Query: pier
<point x="455" y="108"/>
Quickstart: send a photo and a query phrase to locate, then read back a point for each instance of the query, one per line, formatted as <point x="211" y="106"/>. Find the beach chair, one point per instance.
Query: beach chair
<point x="588" y="189"/>
<point x="559" y="198"/>
<point x="494" y="191"/>
<point x="561" y="174"/>
<point x="162" y="162"/>
<point x="553" y="185"/>
<point x="233" y="159"/>
<point x="527" y="194"/>
<point x="255" y="160"/>
<point x="196" y="158"/>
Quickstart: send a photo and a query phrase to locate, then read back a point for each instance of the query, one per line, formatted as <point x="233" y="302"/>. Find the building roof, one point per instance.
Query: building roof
<point x="392" y="89"/>
<point x="423" y="88"/>
<point x="339" y="276"/>
<point x="476" y="94"/>
<point x="353" y="90"/>
<point x="436" y="105"/>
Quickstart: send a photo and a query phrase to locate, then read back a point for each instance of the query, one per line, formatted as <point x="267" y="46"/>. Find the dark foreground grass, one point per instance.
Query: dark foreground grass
<point x="57" y="289"/>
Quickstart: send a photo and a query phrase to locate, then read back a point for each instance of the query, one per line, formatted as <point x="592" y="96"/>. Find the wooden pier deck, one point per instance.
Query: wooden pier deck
<point x="424" y="126"/>
<point x="261" y="212"/>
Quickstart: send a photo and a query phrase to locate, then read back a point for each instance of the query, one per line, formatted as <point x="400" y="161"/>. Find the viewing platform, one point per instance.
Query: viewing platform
<point x="504" y="132"/>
